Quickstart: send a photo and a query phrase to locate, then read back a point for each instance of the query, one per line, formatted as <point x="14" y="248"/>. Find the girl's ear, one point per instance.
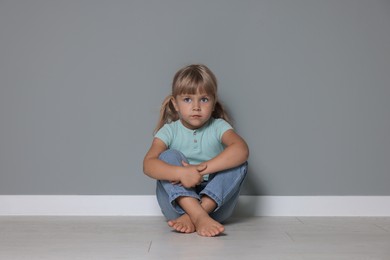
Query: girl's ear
<point x="173" y="100"/>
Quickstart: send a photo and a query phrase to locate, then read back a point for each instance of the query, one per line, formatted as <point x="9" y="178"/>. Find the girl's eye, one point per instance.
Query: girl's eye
<point x="187" y="100"/>
<point x="204" y="100"/>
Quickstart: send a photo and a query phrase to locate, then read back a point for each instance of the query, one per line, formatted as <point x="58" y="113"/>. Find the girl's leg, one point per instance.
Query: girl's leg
<point x="182" y="206"/>
<point x="167" y="193"/>
<point x="224" y="189"/>
<point x="179" y="221"/>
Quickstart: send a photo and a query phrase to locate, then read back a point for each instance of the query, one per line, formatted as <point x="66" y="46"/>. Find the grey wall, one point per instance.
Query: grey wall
<point x="307" y="82"/>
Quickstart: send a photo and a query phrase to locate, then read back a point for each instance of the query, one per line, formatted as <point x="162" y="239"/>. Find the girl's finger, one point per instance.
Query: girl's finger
<point x="184" y="163"/>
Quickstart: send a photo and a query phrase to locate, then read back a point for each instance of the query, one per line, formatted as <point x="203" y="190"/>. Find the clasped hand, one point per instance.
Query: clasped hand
<point x="191" y="175"/>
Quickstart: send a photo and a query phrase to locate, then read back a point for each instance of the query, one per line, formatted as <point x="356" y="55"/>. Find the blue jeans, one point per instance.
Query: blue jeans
<point x="223" y="187"/>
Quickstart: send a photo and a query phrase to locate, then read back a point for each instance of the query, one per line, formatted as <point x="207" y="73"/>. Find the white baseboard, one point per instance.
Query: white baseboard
<point x="102" y="205"/>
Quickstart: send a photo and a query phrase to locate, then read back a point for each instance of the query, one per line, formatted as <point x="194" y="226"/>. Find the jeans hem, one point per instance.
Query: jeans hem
<point x="175" y="205"/>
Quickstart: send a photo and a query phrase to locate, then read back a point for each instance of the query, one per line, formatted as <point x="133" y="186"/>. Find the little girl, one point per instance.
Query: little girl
<point x="197" y="158"/>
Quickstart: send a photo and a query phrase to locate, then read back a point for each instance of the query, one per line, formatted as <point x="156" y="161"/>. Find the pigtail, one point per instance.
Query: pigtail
<point x="220" y="112"/>
<point x="167" y="113"/>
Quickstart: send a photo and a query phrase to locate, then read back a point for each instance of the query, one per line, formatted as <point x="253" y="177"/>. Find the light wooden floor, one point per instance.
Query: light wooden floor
<point x="150" y="238"/>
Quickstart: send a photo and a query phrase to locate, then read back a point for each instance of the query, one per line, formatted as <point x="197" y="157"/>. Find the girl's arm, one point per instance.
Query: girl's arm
<point x="236" y="153"/>
<point x="155" y="168"/>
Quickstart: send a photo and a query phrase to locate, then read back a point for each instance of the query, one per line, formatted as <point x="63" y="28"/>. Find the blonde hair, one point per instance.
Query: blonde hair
<point x="190" y="80"/>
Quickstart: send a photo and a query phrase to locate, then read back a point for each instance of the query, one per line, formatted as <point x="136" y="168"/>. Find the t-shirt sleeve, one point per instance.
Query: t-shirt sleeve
<point x="222" y="126"/>
<point x="165" y="134"/>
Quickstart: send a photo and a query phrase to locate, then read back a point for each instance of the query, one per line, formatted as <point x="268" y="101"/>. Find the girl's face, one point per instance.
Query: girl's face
<point x="194" y="109"/>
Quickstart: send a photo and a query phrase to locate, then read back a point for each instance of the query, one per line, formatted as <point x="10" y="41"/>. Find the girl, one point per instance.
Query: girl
<point x="197" y="158"/>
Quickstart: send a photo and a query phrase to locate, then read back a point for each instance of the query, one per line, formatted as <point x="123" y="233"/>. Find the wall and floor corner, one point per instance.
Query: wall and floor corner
<point x="307" y="83"/>
<point x="146" y="205"/>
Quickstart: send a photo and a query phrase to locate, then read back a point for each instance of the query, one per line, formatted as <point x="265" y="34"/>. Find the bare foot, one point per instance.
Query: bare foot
<point x="208" y="227"/>
<point x="182" y="224"/>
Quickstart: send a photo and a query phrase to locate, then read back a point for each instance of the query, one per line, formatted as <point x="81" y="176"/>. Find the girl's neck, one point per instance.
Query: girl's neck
<point x="195" y="128"/>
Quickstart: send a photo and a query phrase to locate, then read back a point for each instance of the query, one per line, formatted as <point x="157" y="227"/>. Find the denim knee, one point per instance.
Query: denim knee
<point x="173" y="157"/>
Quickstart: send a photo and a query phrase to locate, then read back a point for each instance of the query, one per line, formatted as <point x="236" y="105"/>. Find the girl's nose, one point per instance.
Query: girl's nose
<point x="196" y="106"/>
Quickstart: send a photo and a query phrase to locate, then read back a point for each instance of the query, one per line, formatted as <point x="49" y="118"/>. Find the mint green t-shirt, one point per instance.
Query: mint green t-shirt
<point x="197" y="145"/>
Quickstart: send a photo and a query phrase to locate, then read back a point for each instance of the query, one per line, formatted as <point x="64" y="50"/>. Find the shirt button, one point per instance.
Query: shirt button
<point x="195" y="141"/>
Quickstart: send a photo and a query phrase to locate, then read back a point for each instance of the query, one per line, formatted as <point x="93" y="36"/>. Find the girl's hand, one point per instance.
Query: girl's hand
<point x="200" y="167"/>
<point x="191" y="175"/>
